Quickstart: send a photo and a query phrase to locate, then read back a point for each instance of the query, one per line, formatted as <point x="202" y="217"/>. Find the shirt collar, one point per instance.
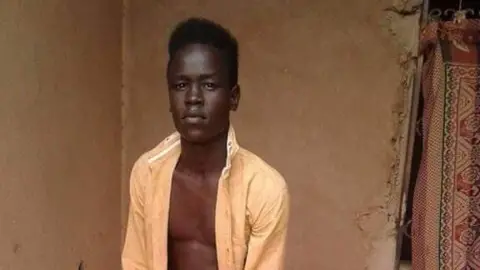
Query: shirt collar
<point x="172" y="143"/>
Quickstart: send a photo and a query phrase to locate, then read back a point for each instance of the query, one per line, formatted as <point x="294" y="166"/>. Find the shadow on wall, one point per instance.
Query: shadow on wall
<point x="60" y="81"/>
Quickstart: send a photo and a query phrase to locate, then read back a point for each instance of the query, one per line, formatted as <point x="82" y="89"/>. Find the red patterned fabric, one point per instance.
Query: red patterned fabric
<point x="446" y="208"/>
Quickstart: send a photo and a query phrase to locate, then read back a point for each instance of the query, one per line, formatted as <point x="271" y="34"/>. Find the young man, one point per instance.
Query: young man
<point x="198" y="201"/>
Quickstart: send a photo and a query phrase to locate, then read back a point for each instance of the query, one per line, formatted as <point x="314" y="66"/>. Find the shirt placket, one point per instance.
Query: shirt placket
<point x="223" y="217"/>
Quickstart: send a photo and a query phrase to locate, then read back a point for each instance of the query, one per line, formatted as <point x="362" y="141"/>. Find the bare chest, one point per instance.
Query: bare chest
<point x="192" y="208"/>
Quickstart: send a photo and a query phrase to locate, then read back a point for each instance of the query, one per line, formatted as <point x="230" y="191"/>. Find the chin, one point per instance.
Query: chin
<point x="194" y="135"/>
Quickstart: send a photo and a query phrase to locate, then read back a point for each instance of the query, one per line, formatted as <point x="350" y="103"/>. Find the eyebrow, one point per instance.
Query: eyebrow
<point x="201" y="76"/>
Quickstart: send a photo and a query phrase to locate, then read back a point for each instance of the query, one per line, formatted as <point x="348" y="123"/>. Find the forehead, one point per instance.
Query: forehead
<point x="196" y="59"/>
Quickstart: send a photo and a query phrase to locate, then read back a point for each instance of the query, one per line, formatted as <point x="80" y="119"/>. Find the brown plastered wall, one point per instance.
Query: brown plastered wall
<point x="320" y="81"/>
<point x="383" y="221"/>
<point x="60" y="81"/>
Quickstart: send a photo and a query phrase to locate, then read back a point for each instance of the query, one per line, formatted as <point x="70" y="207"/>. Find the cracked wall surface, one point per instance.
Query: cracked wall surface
<point x="385" y="217"/>
<point x="60" y="133"/>
<point x="320" y="102"/>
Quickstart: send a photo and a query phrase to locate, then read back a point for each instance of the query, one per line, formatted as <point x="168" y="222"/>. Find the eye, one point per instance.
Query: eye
<point x="209" y="86"/>
<point x="179" y="86"/>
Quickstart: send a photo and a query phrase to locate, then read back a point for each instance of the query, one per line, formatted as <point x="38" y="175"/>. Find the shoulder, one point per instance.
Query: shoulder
<point x="142" y="167"/>
<point x="265" y="184"/>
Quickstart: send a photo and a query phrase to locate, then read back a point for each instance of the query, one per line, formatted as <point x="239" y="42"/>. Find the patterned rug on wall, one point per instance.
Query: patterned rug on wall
<point x="446" y="215"/>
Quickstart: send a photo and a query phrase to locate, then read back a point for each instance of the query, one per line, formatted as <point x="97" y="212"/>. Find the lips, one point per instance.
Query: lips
<point x="193" y="118"/>
<point x="193" y="115"/>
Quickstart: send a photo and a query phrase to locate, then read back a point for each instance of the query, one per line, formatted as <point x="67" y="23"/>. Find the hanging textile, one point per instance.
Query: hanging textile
<point x="446" y="208"/>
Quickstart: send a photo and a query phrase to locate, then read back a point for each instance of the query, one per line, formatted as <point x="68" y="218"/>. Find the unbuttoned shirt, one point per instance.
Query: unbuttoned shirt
<point x="251" y="215"/>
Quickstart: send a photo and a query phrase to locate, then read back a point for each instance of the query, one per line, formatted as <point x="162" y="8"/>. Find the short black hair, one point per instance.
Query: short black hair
<point x="196" y="30"/>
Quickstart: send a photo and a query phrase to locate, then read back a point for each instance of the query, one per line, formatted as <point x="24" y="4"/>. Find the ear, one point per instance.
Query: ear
<point x="234" y="97"/>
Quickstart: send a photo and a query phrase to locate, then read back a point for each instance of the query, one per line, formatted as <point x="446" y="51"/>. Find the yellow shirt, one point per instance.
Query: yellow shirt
<point x="251" y="215"/>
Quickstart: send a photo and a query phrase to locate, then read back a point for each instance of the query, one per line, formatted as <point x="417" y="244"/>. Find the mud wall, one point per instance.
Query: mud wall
<point x="320" y="81"/>
<point x="60" y="81"/>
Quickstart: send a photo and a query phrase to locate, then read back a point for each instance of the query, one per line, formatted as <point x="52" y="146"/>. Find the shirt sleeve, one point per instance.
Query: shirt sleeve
<point x="133" y="255"/>
<point x="266" y="246"/>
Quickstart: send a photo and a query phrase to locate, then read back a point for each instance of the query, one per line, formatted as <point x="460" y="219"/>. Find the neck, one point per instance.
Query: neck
<point x="204" y="158"/>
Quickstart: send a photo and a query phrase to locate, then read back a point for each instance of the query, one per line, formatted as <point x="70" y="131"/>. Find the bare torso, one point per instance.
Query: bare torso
<point x="191" y="233"/>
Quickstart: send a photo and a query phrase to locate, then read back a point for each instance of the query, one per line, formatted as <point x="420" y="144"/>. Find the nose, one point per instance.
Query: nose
<point x="194" y="95"/>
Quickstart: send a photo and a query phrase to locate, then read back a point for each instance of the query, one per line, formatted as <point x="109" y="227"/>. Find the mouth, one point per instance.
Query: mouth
<point x="193" y="118"/>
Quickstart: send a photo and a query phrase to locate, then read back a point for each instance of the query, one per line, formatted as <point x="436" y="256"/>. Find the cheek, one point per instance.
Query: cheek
<point x="220" y="114"/>
<point x="218" y="104"/>
<point x="176" y="102"/>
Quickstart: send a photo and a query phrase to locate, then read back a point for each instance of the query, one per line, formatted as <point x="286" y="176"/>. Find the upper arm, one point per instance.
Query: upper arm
<point x="133" y="255"/>
<point x="269" y="222"/>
